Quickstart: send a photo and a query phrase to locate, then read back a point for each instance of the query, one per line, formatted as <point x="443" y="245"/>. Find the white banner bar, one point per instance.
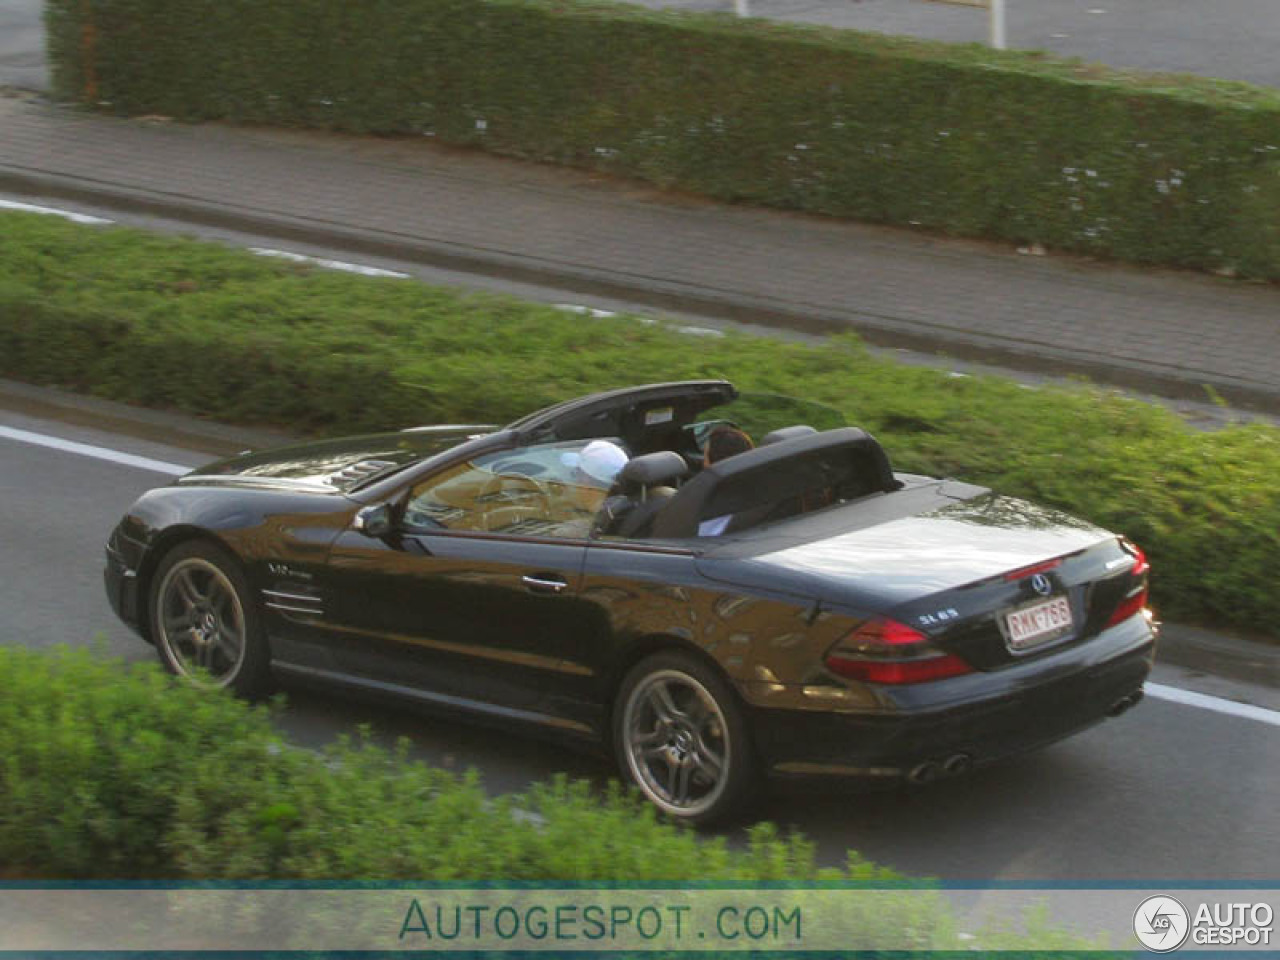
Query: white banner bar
<point x="581" y="919"/>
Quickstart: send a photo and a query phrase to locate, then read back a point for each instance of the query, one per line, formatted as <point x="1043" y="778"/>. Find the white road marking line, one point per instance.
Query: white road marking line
<point x="648" y="321"/>
<point x="329" y="264"/>
<point x="1217" y="704"/>
<point x="52" y="211"/>
<point x="589" y="311"/>
<point x="700" y="331"/>
<point x="99" y="453"/>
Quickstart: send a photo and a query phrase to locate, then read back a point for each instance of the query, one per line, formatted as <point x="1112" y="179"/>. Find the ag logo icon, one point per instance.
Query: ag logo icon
<point x="1161" y="924"/>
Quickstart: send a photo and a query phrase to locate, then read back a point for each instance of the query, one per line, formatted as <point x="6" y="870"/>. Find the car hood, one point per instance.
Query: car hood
<point x="336" y="466"/>
<point x="903" y="559"/>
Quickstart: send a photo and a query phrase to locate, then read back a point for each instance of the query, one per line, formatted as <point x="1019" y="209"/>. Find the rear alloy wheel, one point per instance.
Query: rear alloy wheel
<point x="205" y="627"/>
<point x="681" y="738"/>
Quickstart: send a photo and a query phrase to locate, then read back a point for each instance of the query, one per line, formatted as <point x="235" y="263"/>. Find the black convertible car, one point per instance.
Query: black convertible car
<point x="795" y="610"/>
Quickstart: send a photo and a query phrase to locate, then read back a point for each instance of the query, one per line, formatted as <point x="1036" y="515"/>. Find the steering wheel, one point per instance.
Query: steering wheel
<point x="509" y="498"/>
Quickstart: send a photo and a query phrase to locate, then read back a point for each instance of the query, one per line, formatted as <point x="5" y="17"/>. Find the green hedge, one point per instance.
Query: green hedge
<point x="117" y="772"/>
<point x="1017" y="147"/>
<point x="221" y="333"/>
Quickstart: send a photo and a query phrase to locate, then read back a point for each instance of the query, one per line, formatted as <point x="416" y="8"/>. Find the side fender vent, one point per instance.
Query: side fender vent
<point x="296" y="601"/>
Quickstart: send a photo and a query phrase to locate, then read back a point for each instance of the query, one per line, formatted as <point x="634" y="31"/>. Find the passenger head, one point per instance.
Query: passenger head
<point x="725" y="442"/>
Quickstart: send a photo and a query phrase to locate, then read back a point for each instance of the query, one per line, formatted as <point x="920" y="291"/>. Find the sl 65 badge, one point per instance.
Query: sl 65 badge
<point x="941" y="616"/>
<point x="284" y="570"/>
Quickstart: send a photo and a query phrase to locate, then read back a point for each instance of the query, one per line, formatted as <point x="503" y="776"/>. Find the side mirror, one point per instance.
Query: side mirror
<point x="374" y="521"/>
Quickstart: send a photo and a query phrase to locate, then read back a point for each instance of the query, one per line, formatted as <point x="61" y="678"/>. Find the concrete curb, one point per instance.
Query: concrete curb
<point x="1222" y="655"/>
<point x="207" y="437"/>
<point x="881" y="330"/>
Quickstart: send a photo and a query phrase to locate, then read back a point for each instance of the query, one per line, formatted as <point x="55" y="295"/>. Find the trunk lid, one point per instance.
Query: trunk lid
<point x="1025" y="612"/>
<point x="955" y="573"/>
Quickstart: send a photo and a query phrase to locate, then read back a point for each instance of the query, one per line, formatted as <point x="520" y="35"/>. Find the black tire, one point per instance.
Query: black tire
<point x="680" y="736"/>
<point x="206" y="626"/>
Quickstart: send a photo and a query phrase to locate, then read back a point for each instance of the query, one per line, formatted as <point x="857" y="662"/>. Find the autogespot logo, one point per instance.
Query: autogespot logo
<point x="1161" y="923"/>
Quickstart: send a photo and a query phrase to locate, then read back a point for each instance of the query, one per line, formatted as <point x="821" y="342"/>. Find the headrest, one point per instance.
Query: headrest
<point x="786" y="433"/>
<point x="661" y="467"/>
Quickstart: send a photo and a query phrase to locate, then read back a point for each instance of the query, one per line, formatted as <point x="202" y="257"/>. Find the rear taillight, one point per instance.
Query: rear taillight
<point x="885" y="651"/>
<point x="1140" y="565"/>
<point x="1136" y="598"/>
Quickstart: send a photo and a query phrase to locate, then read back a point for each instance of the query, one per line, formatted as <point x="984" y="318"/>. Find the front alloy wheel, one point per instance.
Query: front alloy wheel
<point x="203" y="626"/>
<point x="681" y="738"/>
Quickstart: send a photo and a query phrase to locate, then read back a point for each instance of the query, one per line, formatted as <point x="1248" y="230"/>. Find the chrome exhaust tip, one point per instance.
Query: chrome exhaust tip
<point x="957" y="764"/>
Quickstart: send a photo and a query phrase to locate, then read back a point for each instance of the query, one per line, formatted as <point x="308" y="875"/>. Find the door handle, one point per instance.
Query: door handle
<point x="543" y="584"/>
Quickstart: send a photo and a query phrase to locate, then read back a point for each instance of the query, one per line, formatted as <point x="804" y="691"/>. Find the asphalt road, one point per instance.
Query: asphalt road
<point x="22" y="60"/>
<point x="1231" y="39"/>
<point x="1169" y="791"/>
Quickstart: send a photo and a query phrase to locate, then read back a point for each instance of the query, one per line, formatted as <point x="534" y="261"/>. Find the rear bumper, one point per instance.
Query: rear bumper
<point x="1007" y="712"/>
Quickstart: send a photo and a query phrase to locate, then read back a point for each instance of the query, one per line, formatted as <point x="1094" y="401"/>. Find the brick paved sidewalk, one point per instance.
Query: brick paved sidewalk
<point x="1157" y="330"/>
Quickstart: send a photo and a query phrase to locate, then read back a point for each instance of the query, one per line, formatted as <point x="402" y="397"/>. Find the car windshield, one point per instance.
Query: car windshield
<point x="544" y="490"/>
<point x="759" y="414"/>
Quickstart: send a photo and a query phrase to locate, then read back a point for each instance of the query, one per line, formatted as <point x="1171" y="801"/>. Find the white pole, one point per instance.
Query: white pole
<point x="740" y="8"/>
<point x="997" y="24"/>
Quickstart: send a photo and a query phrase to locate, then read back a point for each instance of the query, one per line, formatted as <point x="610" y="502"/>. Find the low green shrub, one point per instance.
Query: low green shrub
<point x="116" y="771"/>
<point x="220" y="333"/>
<point x="1014" y="146"/>
<point x="119" y="772"/>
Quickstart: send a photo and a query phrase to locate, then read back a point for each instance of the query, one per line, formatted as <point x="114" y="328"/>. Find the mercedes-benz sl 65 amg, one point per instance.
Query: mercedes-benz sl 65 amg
<point x="797" y="609"/>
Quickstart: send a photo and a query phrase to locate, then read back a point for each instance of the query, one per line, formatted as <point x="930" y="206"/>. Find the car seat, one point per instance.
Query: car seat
<point x="643" y="488"/>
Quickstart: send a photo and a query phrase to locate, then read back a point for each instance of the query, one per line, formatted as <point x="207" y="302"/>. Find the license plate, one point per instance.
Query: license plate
<point x="1038" y="624"/>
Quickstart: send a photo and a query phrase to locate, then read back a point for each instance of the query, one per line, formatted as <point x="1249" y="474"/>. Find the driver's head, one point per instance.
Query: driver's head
<point x="725" y="442"/>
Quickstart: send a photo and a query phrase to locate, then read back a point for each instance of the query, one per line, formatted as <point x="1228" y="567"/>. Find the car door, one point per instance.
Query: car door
<point x="474" y="595"/>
